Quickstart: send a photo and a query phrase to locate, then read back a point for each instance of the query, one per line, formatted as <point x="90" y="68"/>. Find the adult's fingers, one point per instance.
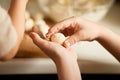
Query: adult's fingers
<point x="41" y="43"/>
<point x="36" y="30"/>
<point x="36" y="39"/>
<point x="71" y="40"/>
<point x="61" y="26"/>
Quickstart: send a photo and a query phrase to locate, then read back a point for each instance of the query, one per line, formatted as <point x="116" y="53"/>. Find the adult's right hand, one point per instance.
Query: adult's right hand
<point x="77" y="29"/>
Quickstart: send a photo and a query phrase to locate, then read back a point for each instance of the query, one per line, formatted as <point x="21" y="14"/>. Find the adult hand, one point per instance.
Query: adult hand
<point x="77" y="29"/>
<point x="52" y="49"/>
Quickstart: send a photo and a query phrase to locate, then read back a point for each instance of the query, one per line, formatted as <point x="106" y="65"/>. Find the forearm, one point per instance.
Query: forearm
<point x="16" y="12"/>
<point x="111" y="42"/>
<point x="68" y="69"/>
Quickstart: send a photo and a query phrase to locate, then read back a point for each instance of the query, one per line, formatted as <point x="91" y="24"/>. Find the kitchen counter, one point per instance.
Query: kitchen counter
<point x="92" y="57"/>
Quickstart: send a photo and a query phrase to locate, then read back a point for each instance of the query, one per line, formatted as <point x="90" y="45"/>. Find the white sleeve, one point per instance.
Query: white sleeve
<point x="8" y="35"/>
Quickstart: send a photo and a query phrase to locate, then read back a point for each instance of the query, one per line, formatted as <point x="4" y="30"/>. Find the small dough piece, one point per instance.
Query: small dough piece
<point x="58" y="37"/>
<point x="37" y="16"/>
<point x="43" y="27"/>
<point x="27" y="15"/>
<point x="29" y="24"/>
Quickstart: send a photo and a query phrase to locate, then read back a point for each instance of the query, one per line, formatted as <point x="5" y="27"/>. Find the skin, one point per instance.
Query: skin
<point x="16" y="12"/>
<point x="83" y="30"/>
<point x="64" y="58"/>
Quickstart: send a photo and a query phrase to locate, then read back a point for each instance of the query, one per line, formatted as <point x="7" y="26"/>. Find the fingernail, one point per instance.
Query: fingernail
<point x="31" y="34"/>
<point x="47" y="35"/>
<point x="67" y="44"/>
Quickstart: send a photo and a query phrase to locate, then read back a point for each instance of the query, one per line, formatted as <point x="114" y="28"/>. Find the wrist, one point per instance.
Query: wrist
<point x="64" y="58"/>
<point x="103" y="34"/>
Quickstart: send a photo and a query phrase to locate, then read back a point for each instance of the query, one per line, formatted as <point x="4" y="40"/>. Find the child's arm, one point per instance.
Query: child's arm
<point x="16" y="12"/>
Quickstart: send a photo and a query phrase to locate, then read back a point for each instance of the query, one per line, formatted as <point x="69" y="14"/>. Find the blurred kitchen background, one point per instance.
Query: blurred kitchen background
<point x="58" y="10"/>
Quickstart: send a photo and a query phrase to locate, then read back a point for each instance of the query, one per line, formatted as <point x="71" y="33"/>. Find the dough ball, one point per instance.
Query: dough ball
<point x="58" y="37"/>
<point x="40" y="22"/>
<point x="29" y="24"/>
<point x="37" y="16"/>
<point x="43" y="27"/>
<point x="27" y="15"/>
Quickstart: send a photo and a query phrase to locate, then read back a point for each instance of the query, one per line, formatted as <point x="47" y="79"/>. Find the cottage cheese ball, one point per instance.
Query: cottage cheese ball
<point x="29" y="24"/>
<point x="58" y="38"/>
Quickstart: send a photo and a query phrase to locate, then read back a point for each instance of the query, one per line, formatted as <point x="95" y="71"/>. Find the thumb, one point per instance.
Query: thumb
<point x="70" y="41"/>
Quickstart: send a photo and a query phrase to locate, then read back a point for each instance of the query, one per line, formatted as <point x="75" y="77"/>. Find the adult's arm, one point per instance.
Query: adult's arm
<point x="110" y="41"/>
